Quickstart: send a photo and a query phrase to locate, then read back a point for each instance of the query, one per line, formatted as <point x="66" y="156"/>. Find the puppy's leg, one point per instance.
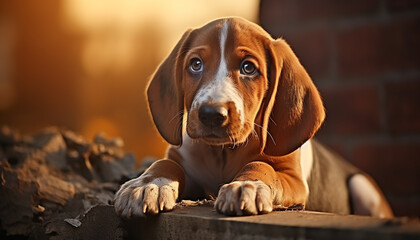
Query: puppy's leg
<point x="259" y="186"/>
<point x="156" y="190"/>
<point x="367" y="198"/>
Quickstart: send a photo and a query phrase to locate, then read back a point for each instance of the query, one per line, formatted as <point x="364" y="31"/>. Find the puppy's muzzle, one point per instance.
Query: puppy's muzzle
<point x="213" y="117"/>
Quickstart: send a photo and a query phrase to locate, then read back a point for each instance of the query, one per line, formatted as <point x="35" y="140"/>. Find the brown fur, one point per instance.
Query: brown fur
<point x="282" y="107"/>
<point x="283" y="94"/>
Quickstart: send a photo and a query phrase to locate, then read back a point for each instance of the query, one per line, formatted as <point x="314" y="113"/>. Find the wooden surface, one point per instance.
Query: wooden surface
<point x="203" y="222"/>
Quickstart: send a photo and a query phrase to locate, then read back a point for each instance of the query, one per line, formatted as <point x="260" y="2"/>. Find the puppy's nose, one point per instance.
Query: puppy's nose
<point x="212" y="116"/>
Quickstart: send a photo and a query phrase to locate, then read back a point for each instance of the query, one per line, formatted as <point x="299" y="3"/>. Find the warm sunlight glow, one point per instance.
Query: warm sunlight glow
<point x="7" y="45"/>
<point x="84" y="65"/>
<point x="100" y="125"/>
<point x="112" y="27"/>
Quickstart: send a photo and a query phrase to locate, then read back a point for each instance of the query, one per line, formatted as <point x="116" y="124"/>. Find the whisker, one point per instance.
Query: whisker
<point x="272" y="120"/>
<point x="268" y="133"/>
<point x="246" y="142"/>
<point x="234" y="143"/>
<point x="176" y="115"/>
<point x="233" y="140"/>
<point x="255" y="134"/>
<point x="178" y="129"/>
<point x="179" y="124"/>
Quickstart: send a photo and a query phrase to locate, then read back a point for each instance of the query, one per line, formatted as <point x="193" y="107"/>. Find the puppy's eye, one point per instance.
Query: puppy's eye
<point x="196" y="65"/>
<point x="248" y="68"/>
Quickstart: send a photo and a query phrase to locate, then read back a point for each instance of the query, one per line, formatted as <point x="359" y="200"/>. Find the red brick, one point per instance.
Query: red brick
<point x="274" y="13"/>
<point x="376" y="48"/>
<point x="403" y="107"/>
<point x="402" y="5"/>
<point x="311" y="47"/>
<point x="285" y="12"/>
<point x="351" y="111"/>
<point x="310" y="10"/>
<point x="395" y="166"/>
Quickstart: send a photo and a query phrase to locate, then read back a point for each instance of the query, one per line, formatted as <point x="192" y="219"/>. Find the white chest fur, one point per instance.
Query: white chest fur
<point x="211" y="166"/>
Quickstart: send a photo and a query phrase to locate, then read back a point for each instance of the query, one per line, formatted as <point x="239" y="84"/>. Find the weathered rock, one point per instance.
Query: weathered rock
<point x="76" y="142"/>
<point x="51" y="142"/>
<point x="53" y="189"/>
<point x="50" y="179"/>
<point x="8" y="136"/>
<point x="17" y="203"/>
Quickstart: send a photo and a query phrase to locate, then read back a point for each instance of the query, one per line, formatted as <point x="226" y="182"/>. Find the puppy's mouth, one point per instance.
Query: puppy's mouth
<point x="210" y="137"/>
<point x="217" y="137"/>
<point x="218" y="141"/>
<point x="213" y="139"/>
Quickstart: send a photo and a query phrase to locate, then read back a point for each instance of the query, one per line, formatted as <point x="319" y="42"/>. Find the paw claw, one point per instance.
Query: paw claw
<point x="260" y="207"/>
<point x="244" y="198"/>
<point x="220" y="204"/>
<point x="138" y="198"/>
<point x="242" y="205"/>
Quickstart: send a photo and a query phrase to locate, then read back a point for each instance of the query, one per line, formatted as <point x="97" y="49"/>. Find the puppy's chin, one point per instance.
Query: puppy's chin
<point x="215" y="140"/>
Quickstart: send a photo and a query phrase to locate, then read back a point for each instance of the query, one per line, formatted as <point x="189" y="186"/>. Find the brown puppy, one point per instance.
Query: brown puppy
<point x="250" y="109"/>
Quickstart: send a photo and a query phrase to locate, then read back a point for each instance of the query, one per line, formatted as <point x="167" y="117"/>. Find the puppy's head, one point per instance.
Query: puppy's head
<point x="233" y="81"/>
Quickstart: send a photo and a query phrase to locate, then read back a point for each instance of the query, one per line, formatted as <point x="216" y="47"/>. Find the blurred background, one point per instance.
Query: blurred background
<point x="84" y="65"/>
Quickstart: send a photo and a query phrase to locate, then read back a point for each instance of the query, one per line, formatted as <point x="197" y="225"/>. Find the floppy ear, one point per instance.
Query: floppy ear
<point x="293" y="109"/>
<point x="165" y="95"/>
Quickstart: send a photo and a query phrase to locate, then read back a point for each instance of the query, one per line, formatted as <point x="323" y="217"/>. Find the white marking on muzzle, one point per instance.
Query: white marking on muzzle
<point x="221" y="89"/>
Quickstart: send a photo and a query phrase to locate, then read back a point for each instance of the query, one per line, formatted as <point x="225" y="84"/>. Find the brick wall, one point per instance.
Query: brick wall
<point x="364" y="56"/>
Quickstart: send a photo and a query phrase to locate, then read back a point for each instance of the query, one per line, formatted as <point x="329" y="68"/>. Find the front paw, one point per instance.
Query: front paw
<point x="136" y="198"/>
<point x="244" y="198"/>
